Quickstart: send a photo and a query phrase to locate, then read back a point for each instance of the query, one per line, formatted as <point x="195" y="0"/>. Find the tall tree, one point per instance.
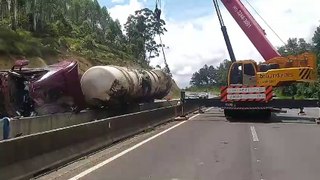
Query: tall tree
<point x="81" y="25"/>
<point x="211" y="76"/>
<point x="316" y="42"/>
<point x="13" y="14"/>
<point x="141" y="30"/>
<point x="297" y="46"/>
<point x="33" y="15"/>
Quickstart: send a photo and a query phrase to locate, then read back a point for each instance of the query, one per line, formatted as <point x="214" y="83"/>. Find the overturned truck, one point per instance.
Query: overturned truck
<point x="60" y="88"/>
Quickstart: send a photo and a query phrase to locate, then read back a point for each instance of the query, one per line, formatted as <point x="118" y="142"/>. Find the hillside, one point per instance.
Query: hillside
<point x="41" y="51"/>
<point x="49" y="31"/>
<point x="22" y="45"/>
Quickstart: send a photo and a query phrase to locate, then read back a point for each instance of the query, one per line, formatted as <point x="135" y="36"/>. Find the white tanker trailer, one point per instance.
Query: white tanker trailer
<point x="108" y="85"/>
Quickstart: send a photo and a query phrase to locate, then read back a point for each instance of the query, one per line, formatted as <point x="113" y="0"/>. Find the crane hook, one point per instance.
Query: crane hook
<point x="157" y="11"/>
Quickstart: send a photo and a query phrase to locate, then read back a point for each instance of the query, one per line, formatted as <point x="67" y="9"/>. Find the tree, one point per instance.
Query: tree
<point x="196" y="79"/>
<point x="83" y="26"/>
<point x="316" y="41"/>
<point x="14" y="14"/>
<point x="141" y="30"/>
<point x="316" y="49"/>
<point x="296" y="46"/>
<point x="316" y="45"/>
<point x="211" y="76"/>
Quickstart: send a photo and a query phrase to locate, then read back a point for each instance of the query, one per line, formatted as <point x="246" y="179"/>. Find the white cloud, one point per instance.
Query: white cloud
<point x="195" y="42"/>
<point x="117" y="1"/>
<point x="121" y="12"/>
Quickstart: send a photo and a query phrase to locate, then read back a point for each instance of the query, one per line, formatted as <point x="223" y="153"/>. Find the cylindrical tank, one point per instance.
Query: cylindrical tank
<point x="107" y="85"/>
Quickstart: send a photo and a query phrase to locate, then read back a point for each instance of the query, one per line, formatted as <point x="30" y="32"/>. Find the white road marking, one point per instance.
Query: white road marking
<point x="254" y="134"/>
<point x="209" y="109"/>
<point x="82" y="174"/>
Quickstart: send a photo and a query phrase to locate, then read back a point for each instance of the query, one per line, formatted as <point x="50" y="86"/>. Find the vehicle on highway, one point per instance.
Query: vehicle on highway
<point x="250" y="85"/>
<point x="203" y="95"/>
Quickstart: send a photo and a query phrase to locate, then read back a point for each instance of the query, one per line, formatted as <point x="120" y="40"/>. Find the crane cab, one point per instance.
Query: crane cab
<point x="242" y="73"/>
<point x="248" y="73"/>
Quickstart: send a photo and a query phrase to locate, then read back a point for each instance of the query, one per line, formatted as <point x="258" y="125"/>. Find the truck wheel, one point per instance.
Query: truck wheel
<point x="267" y="115"/>
<point x="226" y="112"/>
<point x="229" y="114"/>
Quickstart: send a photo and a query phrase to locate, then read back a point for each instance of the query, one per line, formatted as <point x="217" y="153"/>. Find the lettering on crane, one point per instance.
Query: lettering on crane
<point x="278" y="75"/>
<point x="242" y="16"/>
<point x="246" y="96"/>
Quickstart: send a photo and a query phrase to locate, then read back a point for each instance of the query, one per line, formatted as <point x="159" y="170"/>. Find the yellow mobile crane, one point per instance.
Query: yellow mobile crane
<point x="250" y="84"/>
<point x="276" y="70"/>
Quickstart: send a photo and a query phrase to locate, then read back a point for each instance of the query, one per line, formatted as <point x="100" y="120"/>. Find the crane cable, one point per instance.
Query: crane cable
<point x="157" y="13"/>
<point x="215" y="3"/>
<point x="158" y="2"/>
<point x="265" y="22"/>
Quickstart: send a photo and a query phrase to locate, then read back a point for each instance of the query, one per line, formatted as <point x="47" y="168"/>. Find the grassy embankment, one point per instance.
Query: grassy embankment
<point x="48" y="50"/>
<point x="41" y="51"/>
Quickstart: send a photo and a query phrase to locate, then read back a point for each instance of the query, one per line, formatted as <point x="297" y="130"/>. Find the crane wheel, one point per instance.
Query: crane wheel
<point x="230" y="114"/>
<point x="266" y="115"/>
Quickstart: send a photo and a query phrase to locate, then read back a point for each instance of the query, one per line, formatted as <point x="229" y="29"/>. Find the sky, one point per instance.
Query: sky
<point x="194" y="37"/>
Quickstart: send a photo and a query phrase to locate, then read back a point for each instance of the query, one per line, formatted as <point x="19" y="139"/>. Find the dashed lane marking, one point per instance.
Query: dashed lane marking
<point x="254" y="134"/>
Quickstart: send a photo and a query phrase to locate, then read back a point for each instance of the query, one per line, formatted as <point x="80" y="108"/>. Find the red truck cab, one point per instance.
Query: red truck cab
<point x="37" y="91"/>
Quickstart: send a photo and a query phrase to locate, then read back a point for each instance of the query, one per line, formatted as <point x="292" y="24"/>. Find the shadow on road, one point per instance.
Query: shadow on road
<point x="275" y="118"/>
<point x="292" y="119"/>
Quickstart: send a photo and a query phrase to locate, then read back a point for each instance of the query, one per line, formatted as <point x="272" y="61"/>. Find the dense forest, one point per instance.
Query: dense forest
<point x="209" y="77"/>
<point x="45" y="28"/>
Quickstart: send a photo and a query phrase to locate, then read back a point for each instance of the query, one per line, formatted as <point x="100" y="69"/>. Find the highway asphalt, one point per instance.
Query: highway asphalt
<point x="208" y="147"/>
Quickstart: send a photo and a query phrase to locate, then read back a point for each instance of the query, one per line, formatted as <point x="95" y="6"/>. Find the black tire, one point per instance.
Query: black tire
<point x="227" y="113"/>
<point x="230" y="114"/>
<point x="266" y="115"/>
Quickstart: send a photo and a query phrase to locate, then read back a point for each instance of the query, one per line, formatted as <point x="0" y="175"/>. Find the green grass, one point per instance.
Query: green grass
<point x="279" y="95"/>
<point x="99" y="54"/>
<point x="22" y="43"/>
<point x="43" y="50"/>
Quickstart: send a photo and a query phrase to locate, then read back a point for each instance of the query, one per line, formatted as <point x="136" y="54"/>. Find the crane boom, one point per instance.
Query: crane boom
<point x="251" y="28"/>
<point x="224" y="32"/>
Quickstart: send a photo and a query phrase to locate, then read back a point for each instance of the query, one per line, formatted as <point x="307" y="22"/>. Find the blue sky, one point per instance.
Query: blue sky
<point x="194" y="37"/>
<point x="174" y="8"/>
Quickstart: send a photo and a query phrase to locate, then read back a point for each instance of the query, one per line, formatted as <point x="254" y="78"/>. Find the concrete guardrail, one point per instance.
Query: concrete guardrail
<point x="30" y="125"/>
<point x="23" y="157"/>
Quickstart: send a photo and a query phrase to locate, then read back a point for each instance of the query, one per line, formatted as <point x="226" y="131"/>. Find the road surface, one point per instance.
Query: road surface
<point x="208" y="147"/>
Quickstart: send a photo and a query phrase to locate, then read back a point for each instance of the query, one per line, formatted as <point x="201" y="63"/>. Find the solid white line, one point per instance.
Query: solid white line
<point x="126" y="151"/>
<point x="254" y="134"/>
